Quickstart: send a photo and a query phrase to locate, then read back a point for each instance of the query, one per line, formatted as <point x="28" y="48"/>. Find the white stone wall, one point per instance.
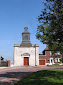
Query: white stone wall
<point x="19" y="58"/>
<point x="37" y="55"/>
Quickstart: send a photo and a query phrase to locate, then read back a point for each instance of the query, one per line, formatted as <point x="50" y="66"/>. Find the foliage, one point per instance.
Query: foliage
<point x="45" y="77"/>
<point x="50" y="31"/>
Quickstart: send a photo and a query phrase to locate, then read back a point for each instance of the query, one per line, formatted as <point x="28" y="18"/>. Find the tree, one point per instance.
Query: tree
<point x="50" y="31"/>
<point x="2" y="58"/>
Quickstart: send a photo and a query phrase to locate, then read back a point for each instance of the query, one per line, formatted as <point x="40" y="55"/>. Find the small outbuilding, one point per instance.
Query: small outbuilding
<point x="26" y="53"/>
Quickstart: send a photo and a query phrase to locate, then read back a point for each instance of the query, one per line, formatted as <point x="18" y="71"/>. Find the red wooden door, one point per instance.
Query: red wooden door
<point x="41" y="62"/>
<point x="26" y="61"/>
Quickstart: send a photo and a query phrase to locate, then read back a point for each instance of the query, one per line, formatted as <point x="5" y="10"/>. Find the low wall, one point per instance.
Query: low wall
<point x="4" y="63"/>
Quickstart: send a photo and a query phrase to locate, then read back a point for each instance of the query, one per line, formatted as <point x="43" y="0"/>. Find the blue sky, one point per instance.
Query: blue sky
<point x="14" y="16"/>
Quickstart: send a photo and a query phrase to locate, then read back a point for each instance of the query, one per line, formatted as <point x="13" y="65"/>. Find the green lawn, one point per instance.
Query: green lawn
<point x="54" y="65"/>
<point x="45" y="77"/>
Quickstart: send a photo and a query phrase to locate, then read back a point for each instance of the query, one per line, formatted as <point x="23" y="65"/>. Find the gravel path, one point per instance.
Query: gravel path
<point x="10" y="75"/>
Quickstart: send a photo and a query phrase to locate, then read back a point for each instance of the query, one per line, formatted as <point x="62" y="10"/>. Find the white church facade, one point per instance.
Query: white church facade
<point x="26" y="53"/>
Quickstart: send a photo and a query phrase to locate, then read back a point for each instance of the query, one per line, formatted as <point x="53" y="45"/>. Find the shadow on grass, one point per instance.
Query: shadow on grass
<point x="45" y="77"/>
<point x="14" y="74"/>
<point x="17" y="75"/>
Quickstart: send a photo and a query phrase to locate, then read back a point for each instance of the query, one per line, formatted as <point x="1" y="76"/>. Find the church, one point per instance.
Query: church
<point x="26" y="53"/>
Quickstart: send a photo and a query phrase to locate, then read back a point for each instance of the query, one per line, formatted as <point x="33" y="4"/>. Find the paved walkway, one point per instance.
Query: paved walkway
<point x="8" y="76"/>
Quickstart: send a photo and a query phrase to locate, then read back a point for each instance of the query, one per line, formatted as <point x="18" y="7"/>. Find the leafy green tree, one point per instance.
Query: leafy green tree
<point x="50" y="30"/>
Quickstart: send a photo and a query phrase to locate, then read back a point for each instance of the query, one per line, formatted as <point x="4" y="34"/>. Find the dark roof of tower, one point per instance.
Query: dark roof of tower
<point x="26" y="30"/>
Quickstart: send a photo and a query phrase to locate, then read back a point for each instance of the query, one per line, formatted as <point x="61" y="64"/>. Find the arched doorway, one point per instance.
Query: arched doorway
<point x="26" y="58"/>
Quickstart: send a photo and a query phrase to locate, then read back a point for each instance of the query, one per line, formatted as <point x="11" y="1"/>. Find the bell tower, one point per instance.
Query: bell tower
<point x="26" y="38"/>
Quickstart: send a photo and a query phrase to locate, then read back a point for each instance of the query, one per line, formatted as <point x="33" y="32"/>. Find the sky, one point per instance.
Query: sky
<point x="14" y="16"/>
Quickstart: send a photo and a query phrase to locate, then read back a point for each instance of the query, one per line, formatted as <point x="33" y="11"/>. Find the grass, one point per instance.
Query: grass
<point x="54" y="65"/>
<point x="45" y="77"/>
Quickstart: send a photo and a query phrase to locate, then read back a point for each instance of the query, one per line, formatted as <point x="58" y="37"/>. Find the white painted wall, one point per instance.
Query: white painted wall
<point x="19" y="59"/>
<point x="57" y="59"/>
<point x="51" y="61"/>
